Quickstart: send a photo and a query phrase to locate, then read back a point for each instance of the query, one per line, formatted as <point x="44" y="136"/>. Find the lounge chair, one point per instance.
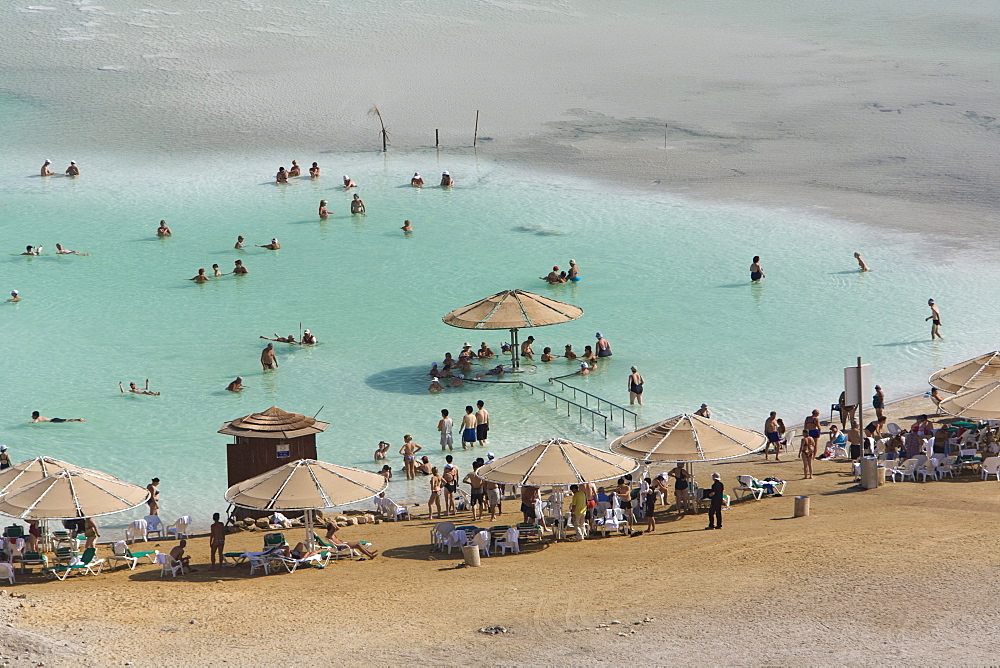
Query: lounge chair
<point x="457" y="538"/>
<point x="274" y="540"/>
<point x="909" y="469"/>
<point x="255" y="558"/>
<point x="34" y="559"/>
<point x="391" y="510"/>
<point x="86" y="564"/>
<point x="120" y="552"/>
<point x="757" y="488"/>
<point x="946" y="467"/>
<point x="180" y="527"/>
<point x="169" y="565"/>
<point x="320" y="560"/>
<point x="335" y="549"/>
<point x="990" y="466"/>
<point x="530" y="531"/>
<point x="154" y="525"/>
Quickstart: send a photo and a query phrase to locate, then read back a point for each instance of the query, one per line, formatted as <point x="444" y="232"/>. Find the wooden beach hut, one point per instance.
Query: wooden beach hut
<point x="267" y="440"/>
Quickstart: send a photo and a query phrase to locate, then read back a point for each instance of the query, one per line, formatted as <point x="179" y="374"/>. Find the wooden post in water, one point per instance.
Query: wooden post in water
<point x="437" y="138"/>
<point x="664" y="136"/>
<point x="475" y="135"/>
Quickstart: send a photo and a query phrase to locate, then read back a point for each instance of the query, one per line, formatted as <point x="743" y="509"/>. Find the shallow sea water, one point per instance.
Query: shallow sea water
<point x="665" y="280"/>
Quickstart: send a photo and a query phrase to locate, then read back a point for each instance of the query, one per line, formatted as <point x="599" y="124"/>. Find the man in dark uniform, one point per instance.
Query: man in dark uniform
<point x="715" y="505"/>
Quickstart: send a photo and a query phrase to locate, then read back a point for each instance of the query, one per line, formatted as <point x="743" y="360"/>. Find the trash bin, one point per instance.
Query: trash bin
<point x="471" y="553"/>
<point x="802" y="506"/>
<point x="869" y="473"/>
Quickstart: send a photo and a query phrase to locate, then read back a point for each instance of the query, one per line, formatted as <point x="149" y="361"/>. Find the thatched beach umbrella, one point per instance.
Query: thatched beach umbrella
<point x="513" y="310"/>
<point x="72" y="494"/>
<point x="968" y="375"/>
<point x="306" y="484"/>
<point x="556" y="461"/>
<point x="689" y="438"/>
<point x="981" y="404"/>
<point x="32" y="470"/>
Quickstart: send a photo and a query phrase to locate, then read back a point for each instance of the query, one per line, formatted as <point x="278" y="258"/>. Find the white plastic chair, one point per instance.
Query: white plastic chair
<point x="990" y="466"/>
<point x="928" y="470"/>
<point x="946" y="467"/>
<point x="511" y="541"/>
<point x="893" y="428"/>
<point x="136" y="530"/>
<point x="170" y="565"/>
<point x="909" y="469"/>
<point x="440" y="533"/>
<point x="154" y="525"/>
<point x="7" y="572"/>
<point x="746" y="485"/>
<point x="482" y="541"/>
<point x="180" y="527"/>
<point x="457" y="538"/>
<point x="392" y="510"/>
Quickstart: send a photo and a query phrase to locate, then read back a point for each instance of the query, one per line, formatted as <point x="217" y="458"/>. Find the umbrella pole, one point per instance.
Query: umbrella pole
<point x="515" y="350"/>
<point x="309" y="530"/>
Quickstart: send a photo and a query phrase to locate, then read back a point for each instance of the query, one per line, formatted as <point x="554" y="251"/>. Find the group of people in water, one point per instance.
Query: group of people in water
<point x="72" y="170"/>
<point x="555" y="276"/>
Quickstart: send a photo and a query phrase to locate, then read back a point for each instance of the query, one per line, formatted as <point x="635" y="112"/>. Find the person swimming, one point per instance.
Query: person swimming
<point x="14" y="296"/>
<point x="65" y="251"/>
<point x="32" y="250"/>
<point x="274" y="245"/>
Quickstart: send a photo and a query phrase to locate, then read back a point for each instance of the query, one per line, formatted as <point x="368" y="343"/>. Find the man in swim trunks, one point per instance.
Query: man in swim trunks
<point x="478" y="496"/>
<point x="45" y="168"/>
<point x="135" y="390"/>
<point x="281" y="176"/>
<point x="201" y="277"/>
<point x="163" y="230"/>
<point x="349" y="182"/>
<point x="236" y="385"/>
<point x="357" y="204"/>
<point x="267" y="358"/>
<point x="935" y="317"/>
<point x="295" y="170"/>
<point x="635" y="383"/>
<point x="274" y="245"/>
<point x="482" y="423"/>
<point x="65" y="251"/>
<point x="72" y="170"/>
<point x="239" y="268"/>
<point x="409" y="452"/>
<point x="529" y="494"/>
<point x="485" y="352"/>
<point x="526" y="350"/>
<point x="35" y="417"/>
<point x="468" y="428"/>
<point x="772" y="434"/>
<point x="553" y="276"/>
<point x="281" y="339"/>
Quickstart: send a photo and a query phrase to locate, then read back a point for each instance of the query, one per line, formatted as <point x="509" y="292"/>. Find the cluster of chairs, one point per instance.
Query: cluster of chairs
<point x="939" y="466"/>
<point x="152" y="526"/>
<point x="747" y="485"/>
<point x="501" y="538"/>
<point x="391" y="510"/>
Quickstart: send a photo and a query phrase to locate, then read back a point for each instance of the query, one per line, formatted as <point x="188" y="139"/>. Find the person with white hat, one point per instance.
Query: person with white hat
<point x="72" y="170"/>
<point x="45" y="168"/>
<point x="349" y="182"/>
<point x="4" y="458"/>
<point x="308" y="338"/>
<point x="274" y="245"/>
<point x="715" y="495"/>
<point x="935" y="318"/>
<point x="14" y="296"/>
<point x="446" y="180"/>
<point x="417" y="181"/>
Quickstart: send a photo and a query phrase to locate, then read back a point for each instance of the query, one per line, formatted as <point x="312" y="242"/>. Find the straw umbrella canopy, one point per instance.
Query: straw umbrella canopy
<point x="273" y="423"/>
<point x="689" y="438"/>
<point x="32" y="470"/>
<point x="981" y="404"/>
<point x="72" y="494"/>
<point x="556" y="462"/>
<point x="513" y="310"/>
<point x="968" y="375"/>
<point x="306" y="484"/>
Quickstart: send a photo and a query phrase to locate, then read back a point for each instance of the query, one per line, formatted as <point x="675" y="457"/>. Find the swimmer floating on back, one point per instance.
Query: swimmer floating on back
<point x="281" y="339"/>
<point x="135" y="390"/>
<point x="65" y="251"/>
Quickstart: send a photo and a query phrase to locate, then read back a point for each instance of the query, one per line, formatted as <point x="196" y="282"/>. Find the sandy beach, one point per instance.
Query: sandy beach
<point x="895" y="575"/>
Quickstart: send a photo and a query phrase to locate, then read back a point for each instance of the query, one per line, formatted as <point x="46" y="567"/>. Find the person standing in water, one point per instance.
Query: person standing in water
<point x="163" y="230"/>
<point x="445" y="425"/>
<point x="267" y="358"/>
<point x="935" y="317"/>
<point x="446" y="180"/>
<point x="349" y="182"/>
<point x="295" y="170"/>
<point x="72" y="170"/>
<point x="239" y="268"/>
<point x="409" y="452"/>
<point x="468" y="428"/>
<point x="861" y="262"/>
<point x="603" y="346"/>
<point x="323" y="213"/>
<point x="756" y="271"/>
<point x="46" y="171"/>
<point x="314" y="171"/>
<point x="240" y="243"/>
<point x="201" y="277"/>
<point x="236" y="385"/>
<point x="407" y="227"/>
<point x="417" y="181"/>
<point x="357" y="204"/>
<point x="281" y="176"/>
<point x="635" y="383"/>
<point x="574" y="271"/>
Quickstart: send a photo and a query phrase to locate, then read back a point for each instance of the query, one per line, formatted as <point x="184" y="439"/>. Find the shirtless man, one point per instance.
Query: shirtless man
<point x="478" y="496"/>
<point x="308" y="338"/>
<point x="568" y="353"/>
<point x="274" y="245"/>
<point x="314" y="171"/>
<point x="772" y="434"/>
<point x="201" y="277"/>
<point x="178" y="554"/>
<point x="526" y="350"/>
<point x="703" y="411"/>
<point x="529" y="494"/>
<point x="281" y="176"/>
<point x="468" y="428"/>
<point x="65" y="251"/>
<point x="72" y="170"/>
<point x="446" y="180"/>
<point x="407" y="227"/>
<point x="14" y="296"/>
<point x="35" y="417"/>
<point x="216" y="271"/>
<point x="135" y="390"/>
<point x="435" y="386"/>
<point x="357" y="204"/>
<point x="281" y="339"/>
<point x="217" y="539"/>
<point x="484" y="352"/>
<point x="424" y="466"/>
<point x="861" y="262"/>
<point x="417" y="181"/>
<point x="349" y="182"/>
<point x="239" y="268"/>
<point x="163" y="230"/>
<point x="553" y="276"/>
<point x="482" y="423"/>
<point x="295" y="170"/>
<point x="547" y="355"/>
<point x="495" y="371"/>
<point x="409" y="452"/>
<point x="32" y="250"/>
<point x="935" y="317"/>
<point x="267" y="358"/>
<point x="236" y="385"/>
<point x="45" y="168"/>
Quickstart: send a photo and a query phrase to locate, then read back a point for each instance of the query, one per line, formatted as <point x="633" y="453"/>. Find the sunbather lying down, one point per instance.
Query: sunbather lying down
<point x="300" y="551"/>
<point x="331" y="535"/>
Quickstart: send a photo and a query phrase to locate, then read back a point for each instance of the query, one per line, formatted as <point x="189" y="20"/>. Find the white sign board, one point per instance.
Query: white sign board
<point x="851" y="383"/>
<point x="283" y="451"/>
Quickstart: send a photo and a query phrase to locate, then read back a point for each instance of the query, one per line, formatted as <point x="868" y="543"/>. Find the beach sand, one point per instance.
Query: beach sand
<point x="895" y="575"/>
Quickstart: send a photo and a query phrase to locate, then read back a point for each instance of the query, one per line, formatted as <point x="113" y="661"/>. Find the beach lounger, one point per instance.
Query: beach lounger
<point x="180" y="527"/>
<point x="34" y="559"/>
<point x="169" y="565"/>
<point x="529" y="531"/>
<point x="335" y="549"/>
<point x="457" y="538"/>
<point x="291" y="565"/>
<point x="154" y="525"/>
<point x="274" y="539"/>
<point x="245" y="556"/>
<point x="120" y="552"/>
<point x="746" y="487"/>
<point x="613" y="521"/>
<point x="85" y="564"/>
<point x="990" y="466"/>
<point x="893" y="428"/>
<point x="391" y="510"/>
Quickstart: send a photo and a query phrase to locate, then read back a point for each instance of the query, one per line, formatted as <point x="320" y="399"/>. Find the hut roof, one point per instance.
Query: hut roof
<point x="273" y="423"/>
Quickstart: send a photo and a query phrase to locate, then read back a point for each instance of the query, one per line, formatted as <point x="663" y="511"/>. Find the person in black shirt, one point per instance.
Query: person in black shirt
<point x="715" y="506"/>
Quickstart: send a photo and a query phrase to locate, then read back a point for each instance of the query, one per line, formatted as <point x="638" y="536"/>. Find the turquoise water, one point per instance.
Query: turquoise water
<point x="665" y="281"/>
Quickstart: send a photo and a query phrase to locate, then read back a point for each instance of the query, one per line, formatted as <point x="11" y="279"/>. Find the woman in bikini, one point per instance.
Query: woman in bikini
<point x="450" y="479"/>
<point x="323" y="213"/>
<point x="409" y="452"/>
<point x="437" y="483"/>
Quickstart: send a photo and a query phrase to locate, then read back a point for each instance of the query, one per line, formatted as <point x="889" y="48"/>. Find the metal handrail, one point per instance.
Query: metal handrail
<point x="594" y="414"/>
<point x="588" y="395"/>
